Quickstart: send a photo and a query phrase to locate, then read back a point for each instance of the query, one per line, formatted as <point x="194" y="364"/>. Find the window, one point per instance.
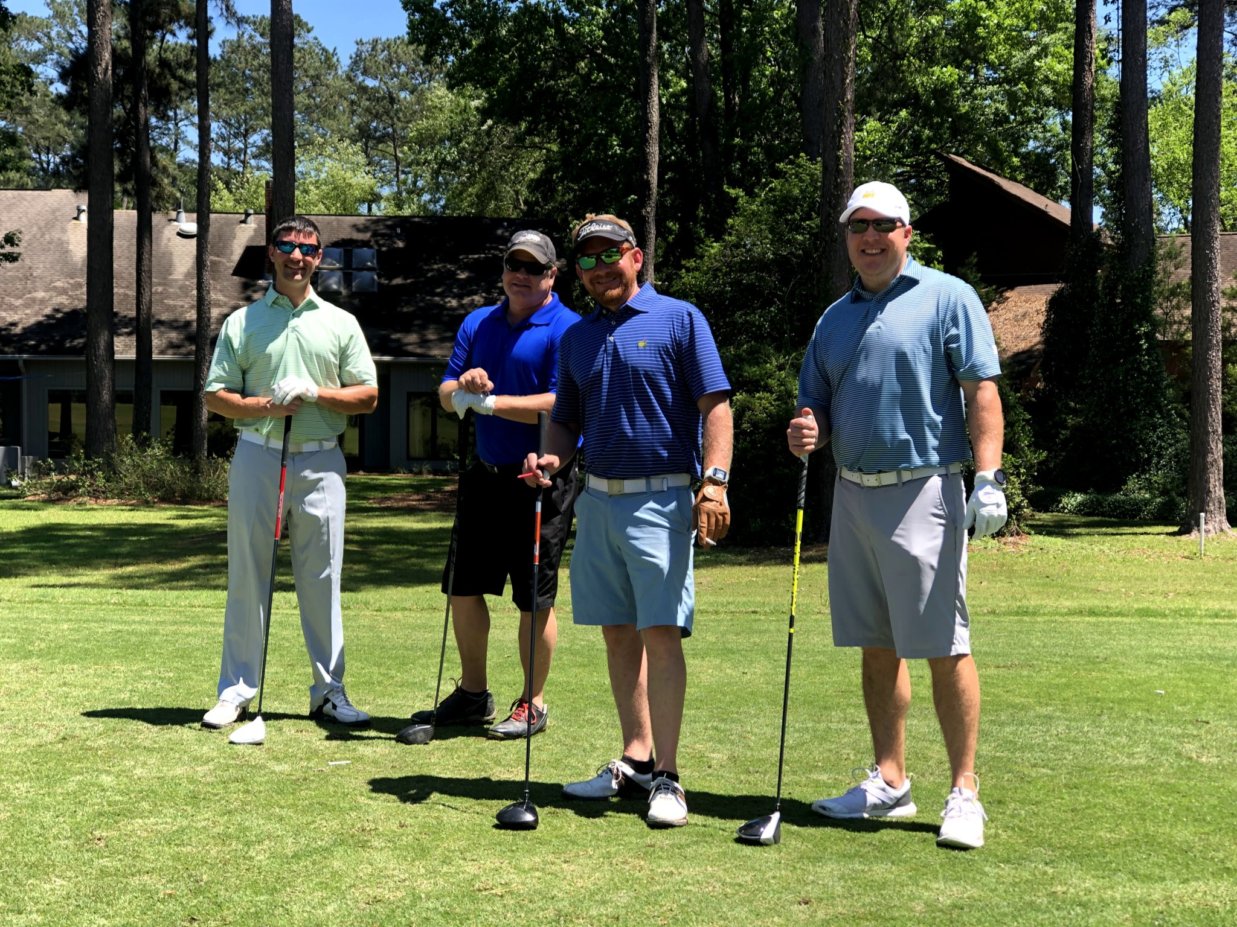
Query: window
<point x="347" y="270"/>
<point x="66" y="419"/>
<point x="433" y="433"/>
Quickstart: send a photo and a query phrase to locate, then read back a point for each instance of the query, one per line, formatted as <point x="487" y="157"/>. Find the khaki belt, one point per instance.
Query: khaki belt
<point x="893" y="477"/>
<point x="294" y="447"/>
<point x="658" y="483"/>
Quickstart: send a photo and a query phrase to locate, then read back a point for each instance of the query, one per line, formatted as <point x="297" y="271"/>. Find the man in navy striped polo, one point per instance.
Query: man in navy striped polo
<point x="642" y="380"/>
<point x="896" y="373"/>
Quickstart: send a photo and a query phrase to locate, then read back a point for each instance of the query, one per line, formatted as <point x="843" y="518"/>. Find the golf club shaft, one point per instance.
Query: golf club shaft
<point x="270" y="591"/>
<point x="790" y="630"/>
<point x="451" y="549"/>
<point x="542" y="419"/>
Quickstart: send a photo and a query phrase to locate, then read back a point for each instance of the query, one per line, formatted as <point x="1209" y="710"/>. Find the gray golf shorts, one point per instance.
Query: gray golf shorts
<point x="897" y="567"/>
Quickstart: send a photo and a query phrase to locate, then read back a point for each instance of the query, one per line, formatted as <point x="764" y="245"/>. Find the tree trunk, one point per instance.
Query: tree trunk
<point x="651" y="125"/>
<point x="1206" y="482"/>
<point x="710" y="190"/>
<point x="838" y="153"/>
<point x="201" y="340"/>
<point x="1139" y="231"/>
<point x="727" y="28"/>
<point x="283" y="145"/>
<point x="143" y="365"/>
<point x="100" y="339"/>
<point x="812" y="68"/>
<point x="1082" y="134"/>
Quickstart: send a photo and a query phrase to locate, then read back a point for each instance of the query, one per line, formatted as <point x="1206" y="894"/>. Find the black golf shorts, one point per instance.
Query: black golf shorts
<point x="494" y="534"/>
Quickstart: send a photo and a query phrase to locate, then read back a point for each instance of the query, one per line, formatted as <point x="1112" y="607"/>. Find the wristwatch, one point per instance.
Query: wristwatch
<point x="997" y="476"/>
<point x="717" y="476"/>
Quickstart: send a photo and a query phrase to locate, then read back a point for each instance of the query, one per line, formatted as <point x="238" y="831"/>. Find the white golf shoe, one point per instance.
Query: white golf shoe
<point x="667" y="804"/>
<point x="223" y="714"/>
<point x="615" y="778"/>
<point x="871" y="798"/>
<point x="336" y="706"/>
<point x="962" y="823"/>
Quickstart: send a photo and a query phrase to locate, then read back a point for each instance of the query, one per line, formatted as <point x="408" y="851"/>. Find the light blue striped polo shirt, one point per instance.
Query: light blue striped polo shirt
<point x="631" y="379"/>
<point x="268" y="340"/>
<point x="884" y="369"/>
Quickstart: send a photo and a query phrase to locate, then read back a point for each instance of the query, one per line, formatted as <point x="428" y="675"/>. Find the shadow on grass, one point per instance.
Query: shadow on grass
<point x="190" y="552"/>
<point x="736" y="809"/>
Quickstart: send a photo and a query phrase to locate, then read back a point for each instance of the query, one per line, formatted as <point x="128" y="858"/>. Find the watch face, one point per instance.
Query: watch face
<point x="717" y="473"/>
<point x="998" y="477"/>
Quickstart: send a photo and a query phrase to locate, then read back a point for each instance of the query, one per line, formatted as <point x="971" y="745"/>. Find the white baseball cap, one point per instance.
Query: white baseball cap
<point x="880" y="197"/>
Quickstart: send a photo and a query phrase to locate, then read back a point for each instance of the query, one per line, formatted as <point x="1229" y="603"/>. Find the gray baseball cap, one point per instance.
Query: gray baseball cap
<point x="536" y="244"/>
<point x="604" y="228"/>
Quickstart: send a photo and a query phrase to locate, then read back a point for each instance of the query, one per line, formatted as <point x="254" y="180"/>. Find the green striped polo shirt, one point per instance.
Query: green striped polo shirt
<point x="268" y="340"/>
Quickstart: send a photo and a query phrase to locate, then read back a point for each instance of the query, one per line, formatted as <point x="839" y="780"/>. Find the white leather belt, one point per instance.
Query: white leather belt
<point x="892" y="477"/>
<point x="294" y="447"/>
<point x="638" y="484"/>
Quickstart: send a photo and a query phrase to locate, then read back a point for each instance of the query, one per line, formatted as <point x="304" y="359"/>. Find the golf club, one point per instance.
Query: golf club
<point x="767" y="830"/>
<point x="522" y="815"/>
<point x="422" y="732"/>
<point x="255" y="731"/>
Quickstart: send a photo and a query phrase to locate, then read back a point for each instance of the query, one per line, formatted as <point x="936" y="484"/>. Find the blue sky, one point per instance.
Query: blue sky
<point x="336" y="23"/>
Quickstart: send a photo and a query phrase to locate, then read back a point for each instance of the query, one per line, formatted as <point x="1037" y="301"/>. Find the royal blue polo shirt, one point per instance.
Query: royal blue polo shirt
<point x="630" y="381"/>
<point x="521" y="360"/>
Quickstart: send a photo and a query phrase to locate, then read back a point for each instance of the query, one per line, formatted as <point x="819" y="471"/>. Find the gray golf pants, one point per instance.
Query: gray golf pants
<point x="314" y="502"/>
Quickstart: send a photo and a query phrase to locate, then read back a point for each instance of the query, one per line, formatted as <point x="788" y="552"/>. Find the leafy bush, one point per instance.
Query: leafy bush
<point x="136" y="473"/>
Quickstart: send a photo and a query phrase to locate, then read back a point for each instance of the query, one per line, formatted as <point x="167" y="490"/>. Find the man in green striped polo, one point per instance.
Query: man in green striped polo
<point x="291" y="353"/>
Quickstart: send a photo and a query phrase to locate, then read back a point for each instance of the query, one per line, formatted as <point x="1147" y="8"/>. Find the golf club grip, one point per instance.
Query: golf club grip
<point x="799" y="505"/>
<point x="283" y="475"/>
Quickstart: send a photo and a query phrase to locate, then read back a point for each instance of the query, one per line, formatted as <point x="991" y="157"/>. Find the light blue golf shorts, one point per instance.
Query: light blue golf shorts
<point x="632" y="562"/>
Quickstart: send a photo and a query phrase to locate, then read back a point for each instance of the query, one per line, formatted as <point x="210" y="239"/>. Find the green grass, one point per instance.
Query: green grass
<point x="1107" y="653"/>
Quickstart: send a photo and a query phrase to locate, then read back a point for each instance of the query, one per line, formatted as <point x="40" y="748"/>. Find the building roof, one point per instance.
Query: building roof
<point x="431" y="272"/>
<point x="958" y="166"/>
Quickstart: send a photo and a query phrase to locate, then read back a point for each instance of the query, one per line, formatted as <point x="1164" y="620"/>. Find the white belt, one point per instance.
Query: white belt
<point x="638" y="484"/>
<point x="890" y="477"/>
<point x="294" y="447"/>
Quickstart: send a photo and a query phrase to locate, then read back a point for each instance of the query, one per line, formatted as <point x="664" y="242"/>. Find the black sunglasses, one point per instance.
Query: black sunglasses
<point x="884" y="226"/>
<point x="283" y="246"/>
<point x="609" y="256"/>
<point x="532" y="268"/>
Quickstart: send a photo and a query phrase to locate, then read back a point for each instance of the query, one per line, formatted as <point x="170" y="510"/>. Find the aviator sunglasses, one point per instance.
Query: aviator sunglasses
<point x="609" y="256"/>
<point x="283" y="246"/>
<point x="532" y="268"/>
<point x="884" y="226"/>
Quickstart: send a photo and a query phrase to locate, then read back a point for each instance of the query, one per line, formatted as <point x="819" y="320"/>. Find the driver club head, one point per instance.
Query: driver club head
<point x="416" y="734"/>
<point x="520" y="815"/>
<point x="762" y="831"/>
<point x="249" y="734"/>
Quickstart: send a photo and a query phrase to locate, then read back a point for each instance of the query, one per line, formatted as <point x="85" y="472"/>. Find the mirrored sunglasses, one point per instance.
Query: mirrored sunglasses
<point x="609" y="256"/>
<point x="284" y="246"/>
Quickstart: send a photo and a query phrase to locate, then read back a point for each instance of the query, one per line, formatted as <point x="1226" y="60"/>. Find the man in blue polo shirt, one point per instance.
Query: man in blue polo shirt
<point x="505" y="367"/>
<point x="642" y="380"/>
<point x="896" y="371"/>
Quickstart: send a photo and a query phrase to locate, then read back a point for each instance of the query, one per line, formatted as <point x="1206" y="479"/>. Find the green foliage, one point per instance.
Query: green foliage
<point x="759" y="287"/>
<point x="9" y="242"/>
<point x="136" y="473"/>
<point x="1020" y="460"/>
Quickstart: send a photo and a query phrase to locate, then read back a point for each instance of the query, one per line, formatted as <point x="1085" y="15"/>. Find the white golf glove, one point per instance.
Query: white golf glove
<point x="986" y="508"/>
<point x="290" y="388"/>
<point x="462" y="401"/>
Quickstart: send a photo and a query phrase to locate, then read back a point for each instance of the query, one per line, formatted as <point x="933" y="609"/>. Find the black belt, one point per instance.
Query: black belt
<point x="500" y="469"/>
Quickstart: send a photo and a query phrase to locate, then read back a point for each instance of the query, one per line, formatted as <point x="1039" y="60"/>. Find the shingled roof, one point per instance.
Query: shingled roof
<point x="431" y="272"/>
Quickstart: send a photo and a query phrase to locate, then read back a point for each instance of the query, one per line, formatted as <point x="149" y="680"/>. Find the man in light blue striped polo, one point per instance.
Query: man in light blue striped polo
<point x="289" y="353"/>
<point x="896" y="373"/>
<point x="642" y="380"/>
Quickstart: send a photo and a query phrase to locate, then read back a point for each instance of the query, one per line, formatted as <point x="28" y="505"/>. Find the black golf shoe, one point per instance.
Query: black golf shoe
<point x="460" y="707"/>
<point x="516" y="724"/>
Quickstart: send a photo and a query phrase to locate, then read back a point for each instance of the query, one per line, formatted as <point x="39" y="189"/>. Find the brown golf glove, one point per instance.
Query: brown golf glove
<point x="711" y="514"/>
